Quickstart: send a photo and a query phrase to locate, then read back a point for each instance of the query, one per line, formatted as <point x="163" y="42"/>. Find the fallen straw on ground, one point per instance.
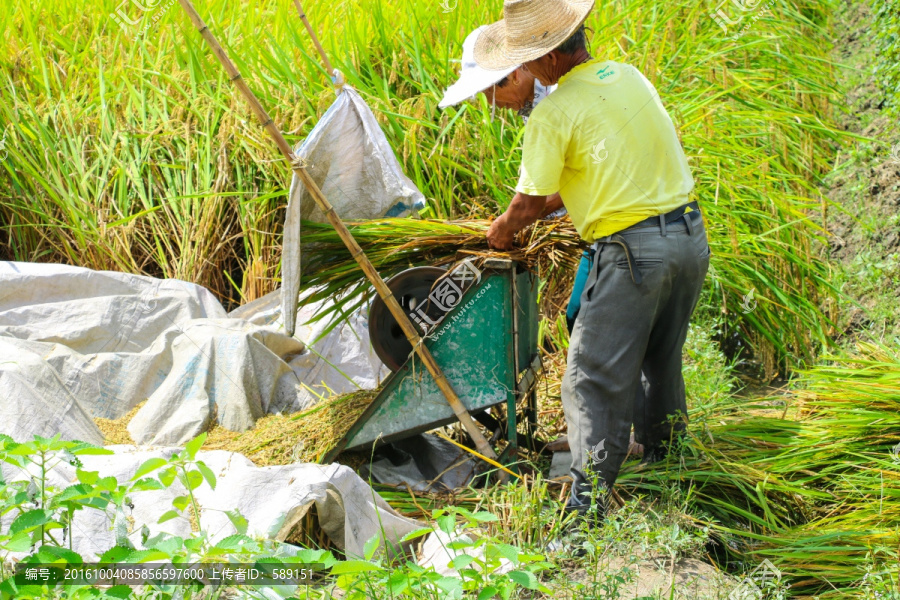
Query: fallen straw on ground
<point x="815" y="493"/>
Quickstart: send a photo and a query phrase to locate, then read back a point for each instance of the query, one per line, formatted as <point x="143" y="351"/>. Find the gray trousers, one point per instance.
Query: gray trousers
<point x="622" y="329"/>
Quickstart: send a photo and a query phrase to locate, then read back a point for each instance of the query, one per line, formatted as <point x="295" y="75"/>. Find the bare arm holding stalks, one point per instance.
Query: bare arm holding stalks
<point x="522" y="212"/>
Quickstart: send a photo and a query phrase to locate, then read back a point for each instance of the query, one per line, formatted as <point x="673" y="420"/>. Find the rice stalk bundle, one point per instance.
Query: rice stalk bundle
<point x="549" y="248"/>
<point x="816" y="493"/>
<point x="851" y="406"/>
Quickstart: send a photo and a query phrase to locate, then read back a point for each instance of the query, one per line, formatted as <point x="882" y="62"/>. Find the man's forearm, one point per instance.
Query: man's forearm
<point x="554" y="203"/>
<point x="523" y="211"/>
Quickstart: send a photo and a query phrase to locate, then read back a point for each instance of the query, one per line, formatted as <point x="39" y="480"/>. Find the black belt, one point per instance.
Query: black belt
<point x="658" y="221"/>
<point x="662" y="220"/>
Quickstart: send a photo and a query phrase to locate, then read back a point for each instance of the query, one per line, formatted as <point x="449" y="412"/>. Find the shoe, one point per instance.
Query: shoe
<point x="591" y="513"/>
<point x="590" y="505"/>
<point x="571" y="540"/>
<point x="654" y="455"/>
<point x="568" y="543"/>
<point x="565" y="547"/>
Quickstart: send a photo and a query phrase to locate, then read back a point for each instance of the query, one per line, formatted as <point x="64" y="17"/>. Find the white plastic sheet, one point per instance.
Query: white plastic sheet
<point x="34" y="400"/>
<point x="273" y="500"/>
<point x="350" y="160"/>
<point x="77" y="344"/>
<point x="224" y="370"/>
<point x="438" y="552"/>
<point x="338" y="361"/>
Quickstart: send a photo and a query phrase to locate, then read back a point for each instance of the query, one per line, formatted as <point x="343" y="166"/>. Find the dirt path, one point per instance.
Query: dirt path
<point x="865" y="243"/>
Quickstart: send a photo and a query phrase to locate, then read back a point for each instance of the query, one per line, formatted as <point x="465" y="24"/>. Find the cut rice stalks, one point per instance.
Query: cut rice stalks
<point x="817" y="494"/>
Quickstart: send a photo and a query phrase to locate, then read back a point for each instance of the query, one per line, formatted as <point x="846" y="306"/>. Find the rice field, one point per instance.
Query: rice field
<point x="132" y="152"/>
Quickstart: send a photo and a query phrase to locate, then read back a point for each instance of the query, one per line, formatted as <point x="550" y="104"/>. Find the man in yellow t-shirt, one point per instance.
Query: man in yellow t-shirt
<point x="604" y="141"/>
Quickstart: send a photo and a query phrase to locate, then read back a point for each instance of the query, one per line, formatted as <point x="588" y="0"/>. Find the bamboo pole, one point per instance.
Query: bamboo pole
<point x="356" y="251"/>
<point x="315" y="39"/>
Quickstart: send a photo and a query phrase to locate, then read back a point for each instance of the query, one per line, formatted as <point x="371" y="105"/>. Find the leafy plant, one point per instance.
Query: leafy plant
<point x="191" y="473"/>
<point x="43" y="515"/>
<point x="886" y="33"/>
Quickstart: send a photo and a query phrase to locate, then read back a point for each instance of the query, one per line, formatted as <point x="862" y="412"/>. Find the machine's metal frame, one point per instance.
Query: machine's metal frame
<point x="465" y="346"/>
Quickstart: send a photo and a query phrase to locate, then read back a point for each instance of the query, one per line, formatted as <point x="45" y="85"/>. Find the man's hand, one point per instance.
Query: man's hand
<point x="522" y="212"/>
<point x="498" y="236"/>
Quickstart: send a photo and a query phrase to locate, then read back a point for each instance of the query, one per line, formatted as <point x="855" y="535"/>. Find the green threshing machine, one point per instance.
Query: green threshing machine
<point x="481" y="326"/>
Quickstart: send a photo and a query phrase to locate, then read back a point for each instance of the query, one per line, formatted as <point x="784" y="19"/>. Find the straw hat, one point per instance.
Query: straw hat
<point x="472" y="78"/>
<point x="529" y="30"/>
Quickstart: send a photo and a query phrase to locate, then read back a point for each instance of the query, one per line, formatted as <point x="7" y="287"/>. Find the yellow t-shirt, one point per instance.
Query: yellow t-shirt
<point x="605" y="142"/>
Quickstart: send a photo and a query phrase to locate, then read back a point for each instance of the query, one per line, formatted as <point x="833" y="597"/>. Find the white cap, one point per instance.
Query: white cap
<point x="472" y="78"/>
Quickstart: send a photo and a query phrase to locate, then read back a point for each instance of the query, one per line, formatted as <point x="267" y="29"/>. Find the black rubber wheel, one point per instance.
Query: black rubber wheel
<point x="411" y="289"/>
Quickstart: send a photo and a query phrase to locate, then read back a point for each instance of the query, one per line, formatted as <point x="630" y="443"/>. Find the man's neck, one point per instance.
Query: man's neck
<point x="567" y="62"/>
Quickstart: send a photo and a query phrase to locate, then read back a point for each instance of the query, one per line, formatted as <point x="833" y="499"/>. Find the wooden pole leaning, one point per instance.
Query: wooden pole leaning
<point x="356" y="251"/>
<point x="315" y="39"/>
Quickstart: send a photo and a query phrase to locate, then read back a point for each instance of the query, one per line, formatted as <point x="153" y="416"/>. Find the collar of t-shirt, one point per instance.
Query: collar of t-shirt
<point x="579" y="68"/>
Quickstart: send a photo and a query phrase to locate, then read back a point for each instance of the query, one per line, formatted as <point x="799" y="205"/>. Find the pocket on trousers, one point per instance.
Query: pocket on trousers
<point x="593" y="276"/>
<point x="643" y="264"/>
<point x="706" y="253"/>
